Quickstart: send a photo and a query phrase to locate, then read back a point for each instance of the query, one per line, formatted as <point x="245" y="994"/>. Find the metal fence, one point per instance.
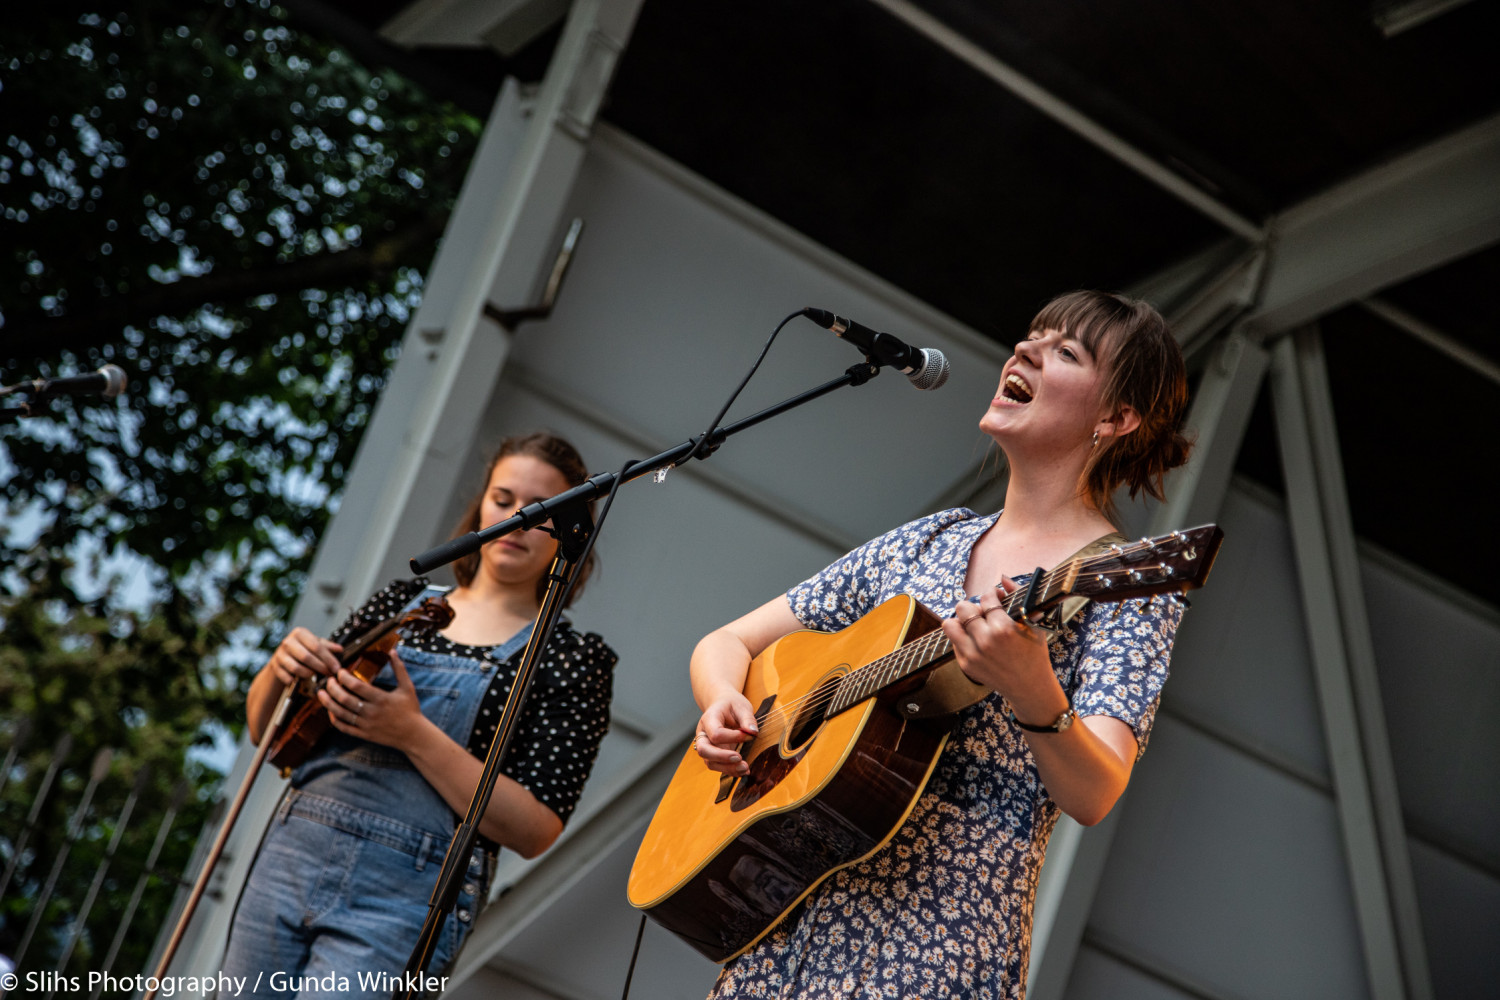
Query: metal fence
<point x="66" y="894"/>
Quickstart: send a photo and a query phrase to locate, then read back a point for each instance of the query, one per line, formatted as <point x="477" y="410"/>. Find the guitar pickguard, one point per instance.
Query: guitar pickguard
<point x="776" y="750"/>
<point x="729" y="784"/>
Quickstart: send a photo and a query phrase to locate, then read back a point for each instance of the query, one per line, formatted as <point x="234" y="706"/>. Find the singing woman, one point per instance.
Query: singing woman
<point x="1092" y="400"/>
<point x="341" y="882"/>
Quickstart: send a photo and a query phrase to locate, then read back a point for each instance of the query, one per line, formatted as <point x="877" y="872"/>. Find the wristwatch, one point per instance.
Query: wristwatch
<point x="1059" y="724"/>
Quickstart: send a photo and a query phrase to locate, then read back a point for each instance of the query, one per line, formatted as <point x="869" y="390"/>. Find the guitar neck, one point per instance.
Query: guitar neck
<point x="1165" y="564"/>
<point x="930" y="649"/>
<point x="934" y="647"/>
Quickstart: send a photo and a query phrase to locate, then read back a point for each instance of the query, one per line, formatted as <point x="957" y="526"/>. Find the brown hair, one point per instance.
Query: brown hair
<point x="1143" y="369"/>
<point x="557" y="452"/>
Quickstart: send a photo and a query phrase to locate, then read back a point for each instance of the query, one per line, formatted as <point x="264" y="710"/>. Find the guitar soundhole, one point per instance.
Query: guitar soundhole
<point x="810" y="719"/>
<point x="772" y="759"/>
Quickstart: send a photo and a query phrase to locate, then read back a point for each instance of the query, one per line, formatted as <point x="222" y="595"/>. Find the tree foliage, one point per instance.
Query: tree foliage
<point x="238" y="214"/>
<point x="143" y="688"/>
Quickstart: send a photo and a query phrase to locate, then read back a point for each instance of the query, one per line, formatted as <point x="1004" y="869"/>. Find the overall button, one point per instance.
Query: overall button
<point x="464" y="916"/>
<point x="471" y="888"/>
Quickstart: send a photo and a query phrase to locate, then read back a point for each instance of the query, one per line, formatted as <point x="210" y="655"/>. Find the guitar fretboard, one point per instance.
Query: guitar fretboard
<point x="934" y="647"/>
<point x="1169" y="563"/>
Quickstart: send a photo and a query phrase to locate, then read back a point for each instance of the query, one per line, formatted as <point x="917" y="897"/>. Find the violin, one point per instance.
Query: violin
<point x="306" y="717"/>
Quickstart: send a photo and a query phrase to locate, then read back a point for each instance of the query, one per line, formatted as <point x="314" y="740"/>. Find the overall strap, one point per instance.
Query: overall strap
<point x="431" y="590"/>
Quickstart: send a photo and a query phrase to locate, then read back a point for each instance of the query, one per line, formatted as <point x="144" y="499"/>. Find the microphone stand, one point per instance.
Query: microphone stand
<point x="573" y="526"/>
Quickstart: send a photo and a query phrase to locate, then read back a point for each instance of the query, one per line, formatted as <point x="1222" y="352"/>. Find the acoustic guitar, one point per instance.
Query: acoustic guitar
<point x="851" y="726"/>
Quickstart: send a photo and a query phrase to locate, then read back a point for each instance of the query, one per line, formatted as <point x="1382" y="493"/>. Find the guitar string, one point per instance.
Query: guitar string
<point x="880" y="672"/>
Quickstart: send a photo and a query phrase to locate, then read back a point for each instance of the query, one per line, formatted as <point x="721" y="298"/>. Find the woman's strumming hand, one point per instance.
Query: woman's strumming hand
<point x="726" y="723"/>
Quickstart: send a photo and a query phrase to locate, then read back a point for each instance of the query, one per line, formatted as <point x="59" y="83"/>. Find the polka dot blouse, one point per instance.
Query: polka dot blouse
<point x="565" y="717"/>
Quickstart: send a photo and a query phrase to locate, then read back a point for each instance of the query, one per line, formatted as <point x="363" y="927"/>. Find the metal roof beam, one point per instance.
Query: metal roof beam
<point x="1070" y="117"/>
<point x="1434" y="338"/>
<point x="1364" y="684"/>
<point x="506" y="25"/>
<point x="1398" y="220"/>
<point x="1364" y="781"/>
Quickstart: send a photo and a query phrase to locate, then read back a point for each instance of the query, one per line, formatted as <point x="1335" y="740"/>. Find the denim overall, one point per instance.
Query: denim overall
<point x="344" y="875"/>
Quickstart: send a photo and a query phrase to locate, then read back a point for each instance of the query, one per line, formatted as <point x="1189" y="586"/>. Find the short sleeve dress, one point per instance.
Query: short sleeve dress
<point x="944" y="908"/>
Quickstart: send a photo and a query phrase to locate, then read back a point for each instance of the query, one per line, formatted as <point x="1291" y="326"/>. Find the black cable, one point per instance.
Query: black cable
<point x="609" y="499"/>
<point x="702" y="443"/>
<point x="630" y="972"/>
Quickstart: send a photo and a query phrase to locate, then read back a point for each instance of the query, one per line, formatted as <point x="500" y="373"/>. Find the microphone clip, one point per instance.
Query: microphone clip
<point x="31" y="403"/>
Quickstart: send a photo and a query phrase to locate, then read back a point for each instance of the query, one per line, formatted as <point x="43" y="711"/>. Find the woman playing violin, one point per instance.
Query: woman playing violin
<point x="342" y="879"/>
<point x="1092" y="400"/>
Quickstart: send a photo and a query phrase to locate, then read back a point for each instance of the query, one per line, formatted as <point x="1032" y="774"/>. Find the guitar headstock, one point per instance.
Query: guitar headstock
<point x="1166" y="564"/>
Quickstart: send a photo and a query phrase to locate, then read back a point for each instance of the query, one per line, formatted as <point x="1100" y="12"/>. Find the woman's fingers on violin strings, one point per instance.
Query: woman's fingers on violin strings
<point x="350" y="684"/>
<point x="304" y="654"/>
<point x="346" y="697"/>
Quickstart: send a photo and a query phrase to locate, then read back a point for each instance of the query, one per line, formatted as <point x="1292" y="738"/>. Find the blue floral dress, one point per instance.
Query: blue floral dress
<point x="944" y="909"/>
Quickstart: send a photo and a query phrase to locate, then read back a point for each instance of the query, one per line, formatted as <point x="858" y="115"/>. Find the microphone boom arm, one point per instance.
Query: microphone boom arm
<point x="597" y="486"/>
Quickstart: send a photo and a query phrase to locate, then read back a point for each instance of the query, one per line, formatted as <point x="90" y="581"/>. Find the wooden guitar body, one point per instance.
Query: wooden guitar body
<point x="851" y="726"/>
<point x="720" y="870"/>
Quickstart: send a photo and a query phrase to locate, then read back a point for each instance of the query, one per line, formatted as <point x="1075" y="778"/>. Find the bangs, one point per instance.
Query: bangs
<point x="1091" y="318"/>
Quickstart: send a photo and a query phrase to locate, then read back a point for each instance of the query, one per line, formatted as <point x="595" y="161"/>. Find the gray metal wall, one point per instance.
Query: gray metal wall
<point x="1227" y="877"/>
<point x="1225" y="873"/>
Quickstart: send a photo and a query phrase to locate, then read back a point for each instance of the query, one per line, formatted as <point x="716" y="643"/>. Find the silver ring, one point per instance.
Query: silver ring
<point x="361" y="705"/>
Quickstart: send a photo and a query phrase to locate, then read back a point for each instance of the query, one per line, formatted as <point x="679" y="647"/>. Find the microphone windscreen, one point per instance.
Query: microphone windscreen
<point x="114" y="380"/>
<point x="934" y="371"/>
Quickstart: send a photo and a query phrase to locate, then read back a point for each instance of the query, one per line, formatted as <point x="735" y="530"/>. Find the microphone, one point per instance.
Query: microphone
<point x="924" y="367"/>
<point x="108" y="382"/>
